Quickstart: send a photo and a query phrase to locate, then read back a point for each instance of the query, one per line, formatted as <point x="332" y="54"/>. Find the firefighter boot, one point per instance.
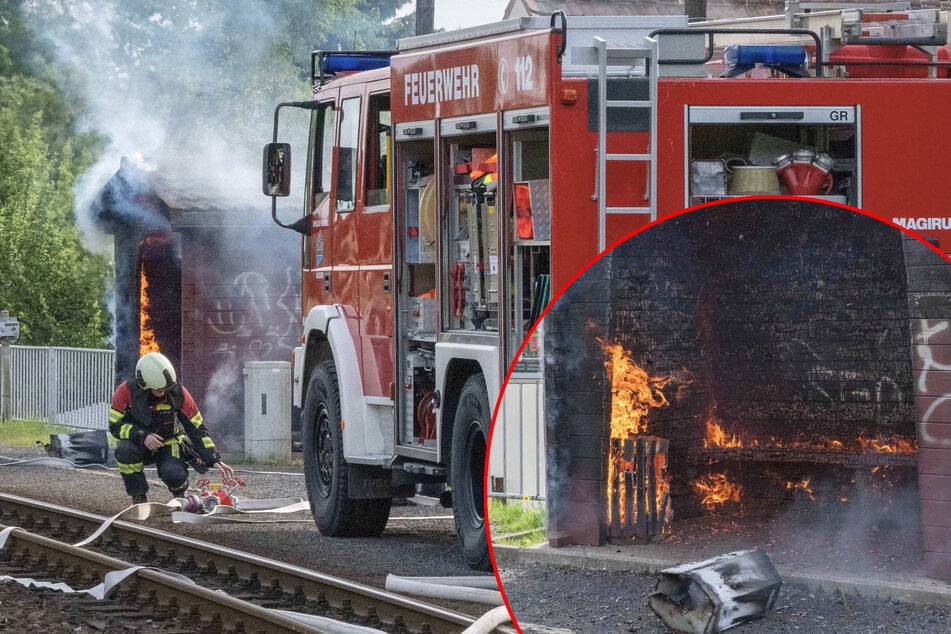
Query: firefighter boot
<point x="139" y="498"/>
<point x="179" y="493"/>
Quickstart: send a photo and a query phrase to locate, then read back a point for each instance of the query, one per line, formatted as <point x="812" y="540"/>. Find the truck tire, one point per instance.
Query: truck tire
<point x="325" y="469"/>
<point x="467" y="470"/>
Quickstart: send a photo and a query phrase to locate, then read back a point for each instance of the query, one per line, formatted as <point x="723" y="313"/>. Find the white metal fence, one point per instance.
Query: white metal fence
<point x="65" y="386"/>
<point x="517" y="458"/>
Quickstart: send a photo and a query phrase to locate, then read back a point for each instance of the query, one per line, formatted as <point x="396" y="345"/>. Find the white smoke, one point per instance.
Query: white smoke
<point x="186" y="90"/>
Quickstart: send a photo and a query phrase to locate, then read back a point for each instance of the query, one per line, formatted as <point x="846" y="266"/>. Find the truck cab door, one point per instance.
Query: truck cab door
<point x="318" y="246"/>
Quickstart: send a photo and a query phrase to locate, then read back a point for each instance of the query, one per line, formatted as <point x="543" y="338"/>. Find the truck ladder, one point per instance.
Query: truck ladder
<point x="628" y="57"/>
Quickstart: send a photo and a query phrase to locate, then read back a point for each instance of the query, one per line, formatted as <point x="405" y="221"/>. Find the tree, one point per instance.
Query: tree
<point x="49" y="280"/>
<point x="190" y="86"/>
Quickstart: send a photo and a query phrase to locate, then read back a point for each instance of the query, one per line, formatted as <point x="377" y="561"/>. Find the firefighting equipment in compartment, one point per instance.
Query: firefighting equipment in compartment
<point x="523" y="211"/>
<point x="426" y="415"/>
<point x="155" y="372"/>
<point x="482" y="166"/>
<point x="806" y="173"/>
<point x="458" y="290"/>
<point x="427" y="210"/>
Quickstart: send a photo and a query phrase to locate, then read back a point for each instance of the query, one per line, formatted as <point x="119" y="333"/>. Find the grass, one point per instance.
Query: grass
<point x="25" y="433"/>
<point x="296" y="460"/>
<point x="516" y="524"/>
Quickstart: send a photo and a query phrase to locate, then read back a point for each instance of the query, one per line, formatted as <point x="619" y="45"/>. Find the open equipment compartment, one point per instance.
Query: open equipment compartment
<point x="747" y="150"/>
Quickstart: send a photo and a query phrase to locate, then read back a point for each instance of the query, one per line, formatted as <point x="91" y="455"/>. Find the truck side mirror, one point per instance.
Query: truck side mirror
<point x="277" y="169"/>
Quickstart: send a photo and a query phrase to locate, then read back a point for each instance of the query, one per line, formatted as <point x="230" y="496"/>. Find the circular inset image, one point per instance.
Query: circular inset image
<point x="743" y="414"/>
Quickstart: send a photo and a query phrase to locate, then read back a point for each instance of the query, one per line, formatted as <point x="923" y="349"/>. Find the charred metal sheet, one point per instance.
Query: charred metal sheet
<point x="716" y="594"/>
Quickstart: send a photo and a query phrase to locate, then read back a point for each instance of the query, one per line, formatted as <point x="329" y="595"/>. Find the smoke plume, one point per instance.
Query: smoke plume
<point x="184" y="89"/>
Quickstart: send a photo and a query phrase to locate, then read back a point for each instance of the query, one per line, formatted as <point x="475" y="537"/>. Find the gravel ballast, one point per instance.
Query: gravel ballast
<point x="419" y="539"/>
<point x="583" y="594"/>
<point x="548" y="597"/>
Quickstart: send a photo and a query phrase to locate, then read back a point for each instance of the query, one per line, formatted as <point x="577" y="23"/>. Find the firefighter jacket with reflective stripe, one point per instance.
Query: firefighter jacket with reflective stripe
<point x="135" y="413"/>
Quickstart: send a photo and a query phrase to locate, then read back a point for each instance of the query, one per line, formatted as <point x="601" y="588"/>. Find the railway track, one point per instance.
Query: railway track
<point x="256" y="595"/>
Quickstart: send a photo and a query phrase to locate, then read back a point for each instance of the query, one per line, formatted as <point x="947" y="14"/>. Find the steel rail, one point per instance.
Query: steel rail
<point x="233" y="613"/>
<point x="391" y="610"/>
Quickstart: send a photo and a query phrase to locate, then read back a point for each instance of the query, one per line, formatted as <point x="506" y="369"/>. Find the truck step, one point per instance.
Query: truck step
<point x="424" y="468"/>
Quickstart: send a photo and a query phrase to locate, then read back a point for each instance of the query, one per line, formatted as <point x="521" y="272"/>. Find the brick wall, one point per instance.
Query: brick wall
<point x="929" y="300"/>
<point x="240" y="303"/>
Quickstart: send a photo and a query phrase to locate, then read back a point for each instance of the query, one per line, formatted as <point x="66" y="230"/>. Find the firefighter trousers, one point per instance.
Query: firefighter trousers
<point x="131" y="458"/>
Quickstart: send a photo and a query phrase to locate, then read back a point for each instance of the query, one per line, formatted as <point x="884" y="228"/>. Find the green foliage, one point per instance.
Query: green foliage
<point x="184" y="78"/>
<point x="515" y="524"/>
<point x="50" y="282"/>
<point x="216" y="61"/>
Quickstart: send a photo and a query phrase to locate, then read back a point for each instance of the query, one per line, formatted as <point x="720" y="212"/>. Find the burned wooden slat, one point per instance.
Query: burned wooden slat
<point x="615" y="527"/>
<point x="716" y="594"/>
<point x="640" y="528"/>
<point x="660" y="464"/>
<point x="652" y="486"/>
<point x="629" y="508"/>
<point x="703" y="455"/>
<point x="662" y="517"/>
<point x="638" y="503"/>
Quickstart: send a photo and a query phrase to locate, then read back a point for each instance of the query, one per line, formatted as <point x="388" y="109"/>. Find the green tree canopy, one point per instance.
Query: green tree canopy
<point x="49" y="281"/>
<point x="189" y="84"/>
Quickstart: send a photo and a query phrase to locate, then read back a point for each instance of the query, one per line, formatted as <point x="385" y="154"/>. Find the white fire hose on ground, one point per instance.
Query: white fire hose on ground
<point x="480" y="589"/>
<point x="489" y="621"/>
<point x="472" y="589"/>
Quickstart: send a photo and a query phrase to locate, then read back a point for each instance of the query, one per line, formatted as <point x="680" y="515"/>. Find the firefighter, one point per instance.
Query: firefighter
<point x="157" y="421"/>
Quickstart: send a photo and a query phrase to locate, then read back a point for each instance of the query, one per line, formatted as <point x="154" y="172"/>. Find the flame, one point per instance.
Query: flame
<point x="717" y="489"/>
<point x="633" y="393"/>
<point x="895" y="444"/>
<point x="147" y="342"/>
<point x="716" y="437"/>
<point x="801" y="485"/>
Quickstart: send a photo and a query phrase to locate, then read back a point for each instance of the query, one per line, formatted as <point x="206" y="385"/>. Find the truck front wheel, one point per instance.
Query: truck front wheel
<point x="325" y="469"/>
<point x="467" y="470"/>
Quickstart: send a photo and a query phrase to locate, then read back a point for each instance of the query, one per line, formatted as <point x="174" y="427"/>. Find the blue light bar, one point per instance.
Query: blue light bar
<point x="745" y="55"/>
<point x="326" y="64"/>
<point x="350" y="63"/>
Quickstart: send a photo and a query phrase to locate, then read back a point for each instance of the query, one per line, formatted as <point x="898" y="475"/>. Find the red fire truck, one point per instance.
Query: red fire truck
<point x="451" y="184"/>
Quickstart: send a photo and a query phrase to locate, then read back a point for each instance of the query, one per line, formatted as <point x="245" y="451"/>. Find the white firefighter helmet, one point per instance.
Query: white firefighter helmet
<point x="155" y="372"/>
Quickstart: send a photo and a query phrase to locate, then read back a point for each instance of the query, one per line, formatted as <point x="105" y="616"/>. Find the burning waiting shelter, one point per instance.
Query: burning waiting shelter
<point x="745" y="357"/>
<point x="201" y="281"/>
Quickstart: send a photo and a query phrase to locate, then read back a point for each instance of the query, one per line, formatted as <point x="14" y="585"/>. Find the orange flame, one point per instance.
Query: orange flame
<point x="895" y="444"/>
<point x="716" y="437"/>
<point x="633" y="393"/>
<point x="717" y="489"/>
<point x="147" y="342"/>
<point x="801" y="485"/>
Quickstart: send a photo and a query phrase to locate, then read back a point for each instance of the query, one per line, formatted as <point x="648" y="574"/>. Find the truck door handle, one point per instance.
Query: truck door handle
<point x="386" y="282"/>
<point x="326" y="282"/>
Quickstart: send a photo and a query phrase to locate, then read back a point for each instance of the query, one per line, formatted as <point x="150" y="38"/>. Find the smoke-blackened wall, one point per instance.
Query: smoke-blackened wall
<point x="781" y="319"/>
<point x="577" y="399"/>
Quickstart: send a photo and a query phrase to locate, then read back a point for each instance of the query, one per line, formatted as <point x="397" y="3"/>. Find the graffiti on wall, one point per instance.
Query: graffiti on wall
<point x="934" y="358"/>
<point x="265" y="325"/>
